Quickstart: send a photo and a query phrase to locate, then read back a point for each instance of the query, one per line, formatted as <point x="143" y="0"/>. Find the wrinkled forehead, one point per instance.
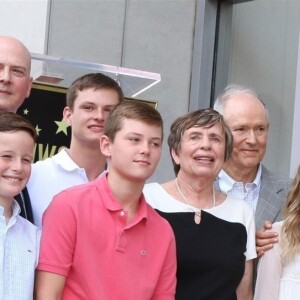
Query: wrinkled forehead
<point x="209" y="128"/>
<point x="244" y="106"/>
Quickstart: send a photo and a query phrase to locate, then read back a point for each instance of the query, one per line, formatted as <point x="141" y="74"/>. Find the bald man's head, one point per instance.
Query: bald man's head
<point x="15" y="80"/>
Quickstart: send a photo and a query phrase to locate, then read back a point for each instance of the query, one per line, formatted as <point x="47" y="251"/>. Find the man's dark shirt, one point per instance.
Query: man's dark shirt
<point x="24" y="202"/>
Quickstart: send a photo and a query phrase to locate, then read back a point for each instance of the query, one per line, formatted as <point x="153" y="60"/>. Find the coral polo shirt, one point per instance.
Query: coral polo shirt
<point x="86" y="239"/>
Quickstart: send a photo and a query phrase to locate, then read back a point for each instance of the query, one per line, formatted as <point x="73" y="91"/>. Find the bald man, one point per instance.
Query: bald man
<point x="15" y="86"/>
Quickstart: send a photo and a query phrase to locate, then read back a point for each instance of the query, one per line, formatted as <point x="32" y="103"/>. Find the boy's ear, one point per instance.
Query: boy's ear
<point x="67" y="115"/>
<point x="105" y="145"/>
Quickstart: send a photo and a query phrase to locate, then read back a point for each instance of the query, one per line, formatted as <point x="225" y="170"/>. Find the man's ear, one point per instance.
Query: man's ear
<point x="30" y="79"/>
<point x="67" y="115"/>
<point x="105" y="145"/>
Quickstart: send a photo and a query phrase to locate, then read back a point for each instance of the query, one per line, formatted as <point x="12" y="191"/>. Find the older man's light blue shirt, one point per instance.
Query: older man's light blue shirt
<point x="249" y="193"/>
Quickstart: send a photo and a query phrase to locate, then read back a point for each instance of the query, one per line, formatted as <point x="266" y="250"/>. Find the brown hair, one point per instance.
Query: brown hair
<point x="11" y="122"/>
<point x="92" y="80"/>
<point x="131" y="109"/>
<point x="198" y="118"/>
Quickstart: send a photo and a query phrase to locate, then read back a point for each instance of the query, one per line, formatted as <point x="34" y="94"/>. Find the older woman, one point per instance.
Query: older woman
<point x="215" y="233"/>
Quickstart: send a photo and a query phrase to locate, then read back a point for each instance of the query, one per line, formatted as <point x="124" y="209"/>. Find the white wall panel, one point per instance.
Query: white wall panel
<point x="264" y="57"/>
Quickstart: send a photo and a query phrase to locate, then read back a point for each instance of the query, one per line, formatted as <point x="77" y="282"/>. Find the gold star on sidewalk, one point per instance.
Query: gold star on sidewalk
<point x="25" y="111"/>
<point x="62" y="127"/>
<point x="37" y="129"/>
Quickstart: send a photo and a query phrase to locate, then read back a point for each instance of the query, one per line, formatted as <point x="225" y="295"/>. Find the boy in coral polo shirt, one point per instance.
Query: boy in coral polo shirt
<point x="101" y="240"/>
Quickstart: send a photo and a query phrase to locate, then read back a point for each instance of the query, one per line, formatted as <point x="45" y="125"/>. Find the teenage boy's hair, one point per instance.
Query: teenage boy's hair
<point x="92" y="80"/>
<point x="131" y="109"/>
<point x="11" y="122"/>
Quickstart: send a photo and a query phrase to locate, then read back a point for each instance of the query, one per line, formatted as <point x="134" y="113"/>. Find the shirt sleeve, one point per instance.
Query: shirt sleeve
<point x="269" y="271"/>
<point x="251" y="243"/>
<point x="58" y="236"/>
<point x="38" y="243"/>
<point x="165" y="289"/>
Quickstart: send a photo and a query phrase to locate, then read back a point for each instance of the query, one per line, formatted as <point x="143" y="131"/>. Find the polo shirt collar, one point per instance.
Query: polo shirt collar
<point x="63" y="159"/>
<point x="113" y="205"/>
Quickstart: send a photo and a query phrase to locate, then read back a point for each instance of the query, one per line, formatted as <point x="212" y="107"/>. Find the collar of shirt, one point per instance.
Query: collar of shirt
<point x="16" y="211"/>
<point x="62" y="158"/>
<point x="113" y="205"/>
<point x="227" y="183"/>
<point x="249" y="193"/>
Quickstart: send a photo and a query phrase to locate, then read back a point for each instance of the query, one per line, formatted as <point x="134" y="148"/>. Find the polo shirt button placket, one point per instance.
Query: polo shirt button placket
<point x="121" y="241"/>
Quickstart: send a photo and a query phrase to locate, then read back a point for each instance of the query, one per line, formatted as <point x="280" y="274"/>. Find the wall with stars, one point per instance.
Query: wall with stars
<point x="44" y="109"/>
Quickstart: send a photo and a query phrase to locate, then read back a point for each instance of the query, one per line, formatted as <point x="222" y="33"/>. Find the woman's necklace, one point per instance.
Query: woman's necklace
<point x="197" y="217"/>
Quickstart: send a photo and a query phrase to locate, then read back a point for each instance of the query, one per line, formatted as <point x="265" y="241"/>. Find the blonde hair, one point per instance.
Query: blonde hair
<point x="290" y="242"/>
